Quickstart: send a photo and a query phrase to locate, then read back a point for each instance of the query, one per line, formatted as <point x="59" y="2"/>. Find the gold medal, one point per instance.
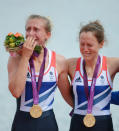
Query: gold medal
<point x="35" y="111"/>
<point x="89" y="120"/>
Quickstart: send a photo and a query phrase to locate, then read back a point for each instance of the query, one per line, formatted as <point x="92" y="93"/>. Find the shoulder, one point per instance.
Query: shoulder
<point x="61" y="64"/>
<point x="113" y="61"/>
<point x="113" y="65"/>
<point x="60" y="59"/>
<point x="72" y="62"/>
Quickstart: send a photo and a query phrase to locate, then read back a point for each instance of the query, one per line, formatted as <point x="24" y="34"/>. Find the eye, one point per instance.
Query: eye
<point x="81" y="44"/>
<point x="90" y="45"/>
<point x="28" y="29"/>
<point x="36" y="29"/>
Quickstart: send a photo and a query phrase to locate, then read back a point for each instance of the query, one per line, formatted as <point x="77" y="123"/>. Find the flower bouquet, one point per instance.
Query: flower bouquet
<point x="13" y="43"/>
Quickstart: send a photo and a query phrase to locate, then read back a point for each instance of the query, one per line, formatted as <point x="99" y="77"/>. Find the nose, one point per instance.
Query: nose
<point x="31" y="32"/>
<point x="85" y="48"/>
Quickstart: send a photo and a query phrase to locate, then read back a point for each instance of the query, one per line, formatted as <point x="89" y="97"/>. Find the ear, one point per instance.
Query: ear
<point x="101" y="44"/>
<point x="48" y="35"/>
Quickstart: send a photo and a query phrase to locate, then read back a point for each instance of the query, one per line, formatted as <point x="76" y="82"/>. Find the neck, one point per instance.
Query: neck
<point x="91" y="63"/>
<point x="90" y="66"/>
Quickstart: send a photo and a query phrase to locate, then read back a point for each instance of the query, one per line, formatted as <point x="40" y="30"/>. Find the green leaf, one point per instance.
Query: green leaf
<point x="38" y="49"/>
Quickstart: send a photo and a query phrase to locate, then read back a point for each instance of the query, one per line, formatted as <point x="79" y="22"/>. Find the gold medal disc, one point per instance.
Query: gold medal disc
<point x="35" y="111"/>
<point x="89" y="120"/>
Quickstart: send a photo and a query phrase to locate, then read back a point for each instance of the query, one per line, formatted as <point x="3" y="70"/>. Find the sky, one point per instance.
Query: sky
<point x="67" y="17"/>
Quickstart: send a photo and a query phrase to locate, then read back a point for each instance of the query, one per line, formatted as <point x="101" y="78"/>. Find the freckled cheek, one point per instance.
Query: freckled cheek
<point x="81" y="50"/>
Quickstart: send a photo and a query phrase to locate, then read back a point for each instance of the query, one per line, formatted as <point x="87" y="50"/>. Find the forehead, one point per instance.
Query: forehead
<point x="88" y="36"/>
<point x="38" y="23"/>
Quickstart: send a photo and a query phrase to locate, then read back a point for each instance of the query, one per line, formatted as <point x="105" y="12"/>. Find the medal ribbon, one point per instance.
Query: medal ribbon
<point x="92" y="89"/>
<point x="33" y="78"/>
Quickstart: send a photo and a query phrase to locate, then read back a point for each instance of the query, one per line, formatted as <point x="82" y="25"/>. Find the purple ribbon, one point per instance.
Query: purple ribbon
<point x="92" y="89"/>
<point x="71" y="113"/>
<point x="33" y="78"/>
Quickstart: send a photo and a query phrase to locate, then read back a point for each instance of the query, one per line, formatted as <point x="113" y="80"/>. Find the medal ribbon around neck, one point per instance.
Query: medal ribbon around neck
<point x="90" y="95"/>
<point x="33" y="78"/>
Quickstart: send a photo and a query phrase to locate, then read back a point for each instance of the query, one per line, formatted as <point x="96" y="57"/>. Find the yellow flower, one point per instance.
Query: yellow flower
<point x="11" y="40"/>
<point x="12" y="45"/>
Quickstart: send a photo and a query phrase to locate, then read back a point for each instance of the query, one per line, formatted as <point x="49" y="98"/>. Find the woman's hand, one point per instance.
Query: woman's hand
<point x="28" y="47"/>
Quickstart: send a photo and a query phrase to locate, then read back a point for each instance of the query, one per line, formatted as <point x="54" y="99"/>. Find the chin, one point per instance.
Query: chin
<point x="87" y="58"/>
